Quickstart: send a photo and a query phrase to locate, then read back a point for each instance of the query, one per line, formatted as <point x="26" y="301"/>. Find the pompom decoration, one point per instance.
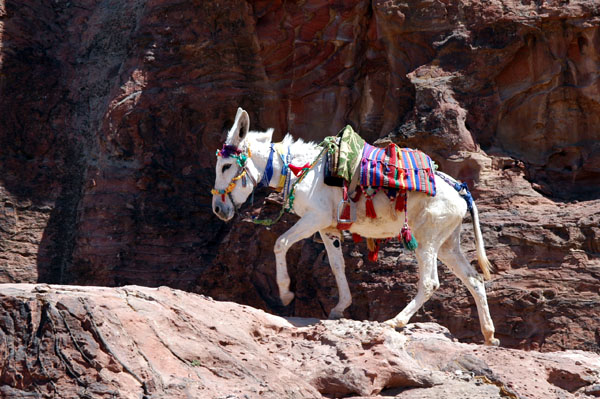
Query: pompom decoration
<point x="408" y="240"/>
<point x="229" y="150"/>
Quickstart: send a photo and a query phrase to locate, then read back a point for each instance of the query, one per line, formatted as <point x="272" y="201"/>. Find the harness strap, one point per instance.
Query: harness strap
<point x="285" y="165"/>
<point x="288" y="202"/>
<point x="344" y="213"/>
<point x="266" y="178"/>
<point x="461" y="188"/>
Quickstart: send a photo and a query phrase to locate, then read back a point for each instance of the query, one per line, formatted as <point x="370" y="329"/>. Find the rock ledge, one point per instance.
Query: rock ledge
<point x="159" y="342"/>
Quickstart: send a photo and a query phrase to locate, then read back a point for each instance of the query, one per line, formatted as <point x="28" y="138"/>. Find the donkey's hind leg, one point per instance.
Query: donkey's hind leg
<point x="426" y="255"/>
<point x="333" y="246"/>
<point x="308" y="224"/>
<point x="452" y="256"/>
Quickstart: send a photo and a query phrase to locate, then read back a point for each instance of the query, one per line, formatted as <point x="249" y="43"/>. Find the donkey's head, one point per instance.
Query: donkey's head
<point x="233" y="182"/>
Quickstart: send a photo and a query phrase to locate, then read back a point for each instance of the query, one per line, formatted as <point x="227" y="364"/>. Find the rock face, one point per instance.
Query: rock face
<point x="164" y="343"/>
<point x="111" y="113"/>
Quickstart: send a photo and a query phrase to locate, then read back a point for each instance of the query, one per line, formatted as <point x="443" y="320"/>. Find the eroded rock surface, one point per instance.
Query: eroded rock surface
<point x="164" y="343"/>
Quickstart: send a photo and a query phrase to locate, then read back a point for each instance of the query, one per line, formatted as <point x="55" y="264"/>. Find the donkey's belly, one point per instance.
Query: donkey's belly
<point x="384" y="226"/>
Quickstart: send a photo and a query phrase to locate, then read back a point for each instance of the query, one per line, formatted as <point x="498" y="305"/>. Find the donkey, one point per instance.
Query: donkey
<point x="435" y="221"/>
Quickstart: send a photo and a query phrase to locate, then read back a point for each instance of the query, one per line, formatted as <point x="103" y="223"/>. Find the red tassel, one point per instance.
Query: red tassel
<point x="356" y="238"/>
<point x="223" y="197"/>
<point x="370" y="209"/>
<point x="373" y="256"/>
<point x="400" y="202"/>
<point x="406" y="234"/>
<point x="298" y="169"/>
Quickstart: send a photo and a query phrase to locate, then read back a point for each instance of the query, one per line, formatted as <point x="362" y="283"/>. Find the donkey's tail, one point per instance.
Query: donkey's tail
<point x="463" y="191"/>
<point x="482" y="259"/>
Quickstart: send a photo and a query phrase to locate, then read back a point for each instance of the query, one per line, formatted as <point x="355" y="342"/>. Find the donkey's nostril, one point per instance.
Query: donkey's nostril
<point x="217" y="209"/>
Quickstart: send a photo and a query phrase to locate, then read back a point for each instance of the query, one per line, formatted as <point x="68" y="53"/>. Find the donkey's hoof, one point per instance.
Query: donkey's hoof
<point x="493" y="342"/>
<point x="287" y="298"/>
<point x="394" y="324"/>
<point x="335" y="314"/>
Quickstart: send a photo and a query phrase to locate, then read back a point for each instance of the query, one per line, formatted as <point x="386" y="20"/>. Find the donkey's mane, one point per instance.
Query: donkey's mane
<point x="298" y="145"/>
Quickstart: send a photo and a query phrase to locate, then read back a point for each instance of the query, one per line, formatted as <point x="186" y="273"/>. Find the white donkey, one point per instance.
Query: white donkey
<point x="435" y="221"/>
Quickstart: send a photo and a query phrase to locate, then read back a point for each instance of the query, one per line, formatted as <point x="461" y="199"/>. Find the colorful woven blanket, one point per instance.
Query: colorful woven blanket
<point x="397" y="168"/>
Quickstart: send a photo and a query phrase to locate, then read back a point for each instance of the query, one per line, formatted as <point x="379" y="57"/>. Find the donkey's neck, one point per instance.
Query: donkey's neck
<point x="296" y="152"/>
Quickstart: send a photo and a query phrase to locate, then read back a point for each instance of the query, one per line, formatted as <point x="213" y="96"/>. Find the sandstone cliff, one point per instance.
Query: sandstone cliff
<point x="111" y="113"/>
<point x="132" y="342"/>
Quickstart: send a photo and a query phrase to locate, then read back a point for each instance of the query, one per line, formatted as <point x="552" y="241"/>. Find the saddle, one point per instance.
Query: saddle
<point x="397" y="169"/>
<point x="392" y="168"/>
<point x="351" y="162"/>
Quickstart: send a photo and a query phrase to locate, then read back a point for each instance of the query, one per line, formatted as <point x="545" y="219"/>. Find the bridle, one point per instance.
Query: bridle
<point x="229" y="151"/>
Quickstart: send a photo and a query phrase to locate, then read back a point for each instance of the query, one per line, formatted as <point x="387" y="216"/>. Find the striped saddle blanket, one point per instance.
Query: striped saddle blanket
<point x="397" y="168"/>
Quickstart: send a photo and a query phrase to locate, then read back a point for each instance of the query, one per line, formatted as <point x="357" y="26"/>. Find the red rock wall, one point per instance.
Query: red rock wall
<point x="111" y="113"/>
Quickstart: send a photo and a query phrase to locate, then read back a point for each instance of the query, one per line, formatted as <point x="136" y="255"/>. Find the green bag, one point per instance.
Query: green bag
<point x="351" y="147"/>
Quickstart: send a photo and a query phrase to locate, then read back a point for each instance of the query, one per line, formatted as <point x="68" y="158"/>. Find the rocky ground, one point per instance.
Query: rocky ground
<point x="112" y="111"/>
<point x="132" y="342"/>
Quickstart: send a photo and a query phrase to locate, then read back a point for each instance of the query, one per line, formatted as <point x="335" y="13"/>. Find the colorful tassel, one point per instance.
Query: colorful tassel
<point x="373" y="256"/>
<point x="356" y="238"/>
<point x="373" y="246"/>
<point x="408" y="240"/>
<point x="370" y="208"/>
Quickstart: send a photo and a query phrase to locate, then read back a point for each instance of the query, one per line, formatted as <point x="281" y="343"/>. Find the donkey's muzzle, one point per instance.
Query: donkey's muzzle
<point x="222" y="210"/>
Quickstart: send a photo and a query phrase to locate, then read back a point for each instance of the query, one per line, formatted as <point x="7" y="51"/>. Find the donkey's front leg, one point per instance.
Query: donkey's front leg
<point x="305" y="227"/>
<point x="333" y="245"/>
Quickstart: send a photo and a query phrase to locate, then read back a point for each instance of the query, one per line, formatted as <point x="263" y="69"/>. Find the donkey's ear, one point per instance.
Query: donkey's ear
<point x="240" y="128"/>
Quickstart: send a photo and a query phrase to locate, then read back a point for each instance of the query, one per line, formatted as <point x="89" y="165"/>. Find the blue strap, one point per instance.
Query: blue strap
<point x="266" y="177"/>
<point x="285" y="170"/>
<point x="466" y="196"/>
<point x="286" y="162"/>
<point x="459" y="187"/>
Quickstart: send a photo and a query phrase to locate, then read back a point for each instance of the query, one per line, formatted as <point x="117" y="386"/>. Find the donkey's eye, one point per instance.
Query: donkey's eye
<point x="226" y="168"/>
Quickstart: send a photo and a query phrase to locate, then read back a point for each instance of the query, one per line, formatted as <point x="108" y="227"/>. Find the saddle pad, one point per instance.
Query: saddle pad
<point x="397" y="168"/>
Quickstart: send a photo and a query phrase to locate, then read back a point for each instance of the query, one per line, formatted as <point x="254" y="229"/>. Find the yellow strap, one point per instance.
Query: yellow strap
<point x="278" y="147"/>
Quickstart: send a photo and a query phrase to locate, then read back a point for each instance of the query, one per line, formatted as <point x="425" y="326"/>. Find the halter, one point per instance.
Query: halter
<point x="229" y="151"/>
<point x="285" y="179"/>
